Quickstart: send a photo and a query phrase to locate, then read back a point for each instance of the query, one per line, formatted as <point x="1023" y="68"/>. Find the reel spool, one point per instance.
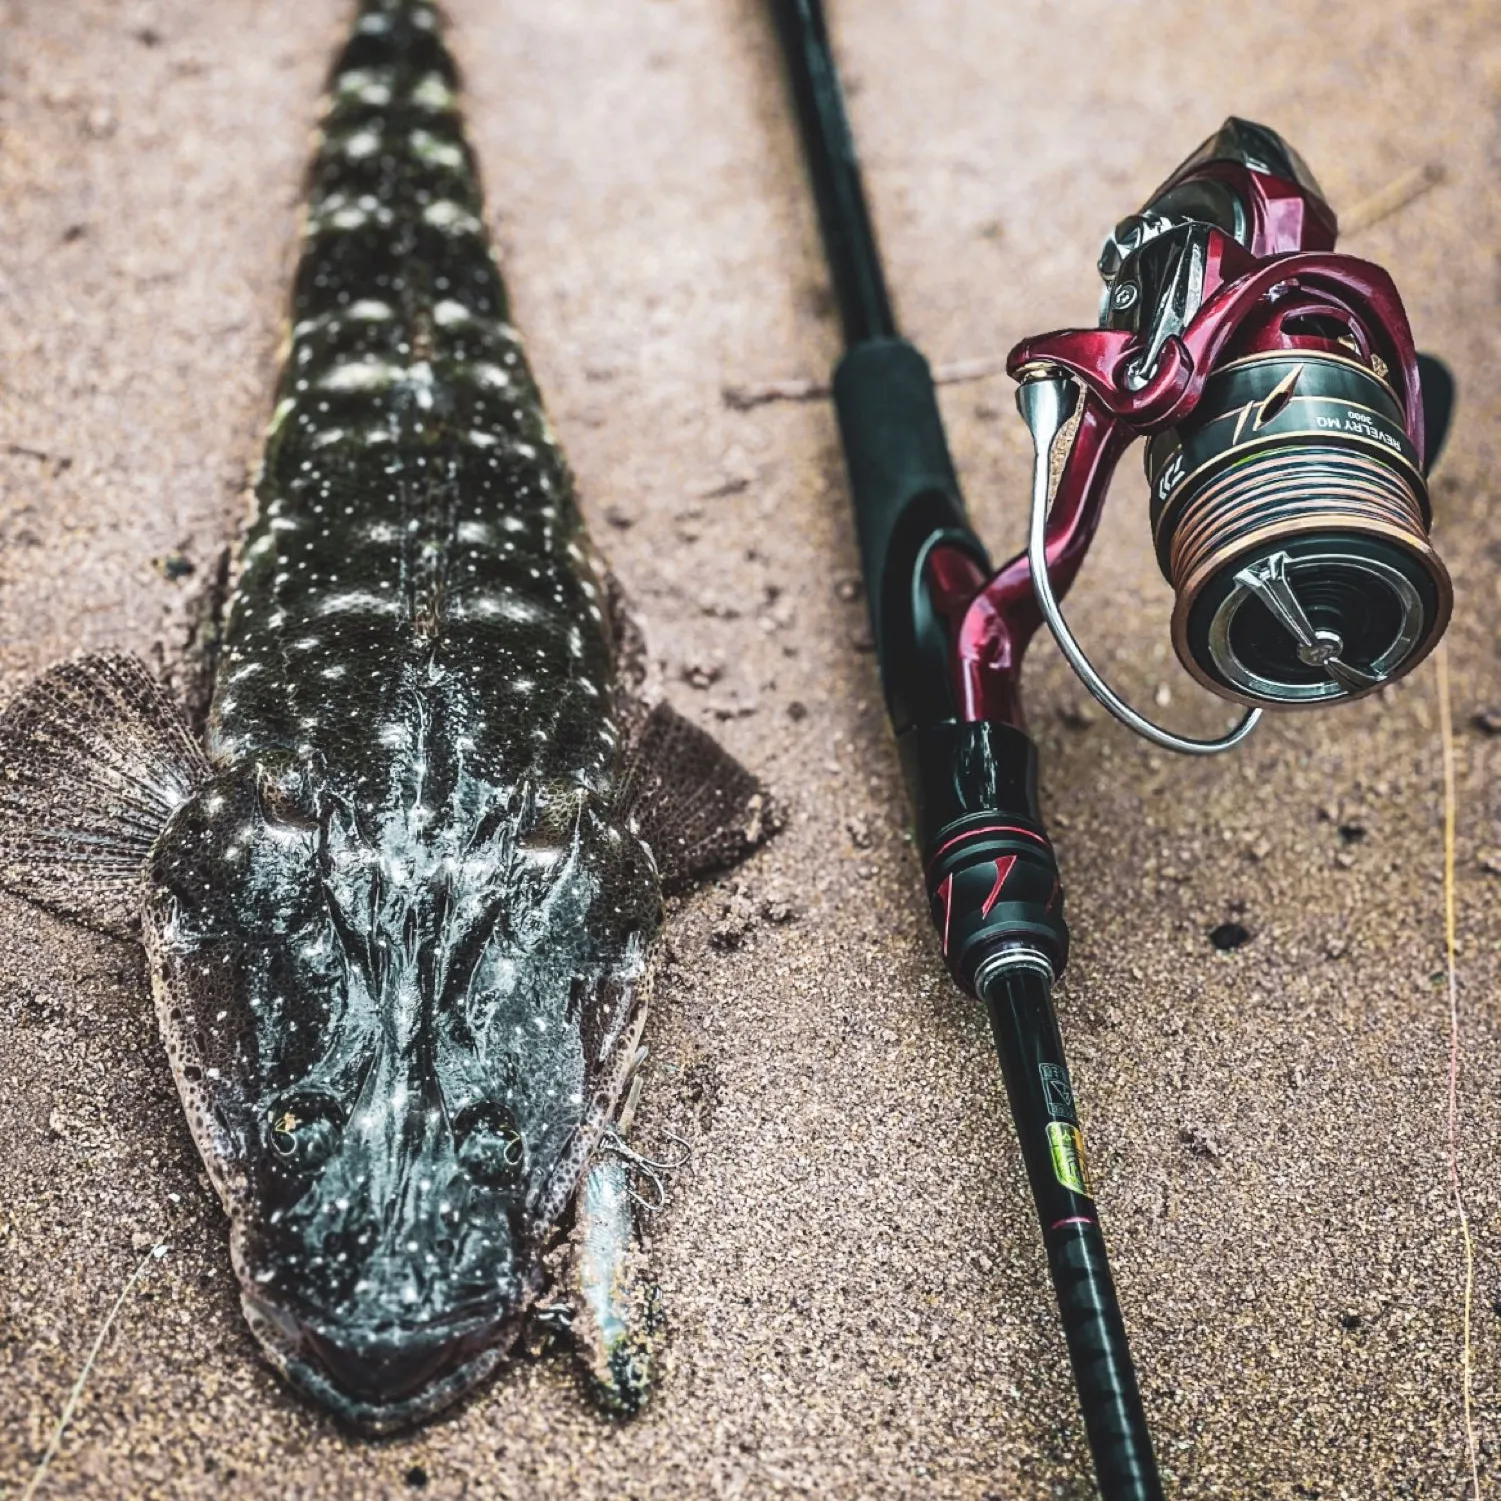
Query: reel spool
<point x="1291" y="518"/>
<point x="1278" y="390"/>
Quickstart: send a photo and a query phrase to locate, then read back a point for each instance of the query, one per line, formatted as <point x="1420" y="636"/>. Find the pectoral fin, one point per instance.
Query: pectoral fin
<point x="697" y="807"/>
<point x="94" y="759"/>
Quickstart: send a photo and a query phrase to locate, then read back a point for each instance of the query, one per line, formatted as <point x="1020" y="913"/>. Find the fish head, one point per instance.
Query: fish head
<point x="397" y="1035"/>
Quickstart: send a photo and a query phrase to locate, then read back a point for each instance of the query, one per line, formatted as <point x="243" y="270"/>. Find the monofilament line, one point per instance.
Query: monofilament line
<point x="154" y="1254"/>
<point x="1446" y="737"/>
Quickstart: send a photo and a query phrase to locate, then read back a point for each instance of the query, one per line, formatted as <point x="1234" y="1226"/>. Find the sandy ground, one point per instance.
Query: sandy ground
<point x="857" y="1294"/>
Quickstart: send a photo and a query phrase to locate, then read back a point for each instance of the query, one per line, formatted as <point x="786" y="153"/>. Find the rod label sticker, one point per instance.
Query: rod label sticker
<point x="1057" y="1093"/>
<point x="1066" y="1146"/>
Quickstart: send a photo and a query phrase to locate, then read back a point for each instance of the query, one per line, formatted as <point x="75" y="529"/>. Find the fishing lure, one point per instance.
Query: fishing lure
<point x="399" y="908"/>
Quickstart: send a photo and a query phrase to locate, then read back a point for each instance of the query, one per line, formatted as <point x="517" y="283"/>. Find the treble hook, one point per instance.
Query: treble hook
<point x="650" y="1167"/>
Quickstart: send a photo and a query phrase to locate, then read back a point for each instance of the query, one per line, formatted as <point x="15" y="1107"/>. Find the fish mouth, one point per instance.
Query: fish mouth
<point x="381" y="1382"/>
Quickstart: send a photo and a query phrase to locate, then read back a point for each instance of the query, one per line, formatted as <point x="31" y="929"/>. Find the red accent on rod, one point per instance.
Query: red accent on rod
<point x="990" y="828"/>
<point x="1002" y="870"/>
<point x="946" y="891"/>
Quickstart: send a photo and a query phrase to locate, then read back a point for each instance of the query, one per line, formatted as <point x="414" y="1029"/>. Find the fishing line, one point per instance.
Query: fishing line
<point x="154" y="1254"/>
<point x="1446" y="740"/>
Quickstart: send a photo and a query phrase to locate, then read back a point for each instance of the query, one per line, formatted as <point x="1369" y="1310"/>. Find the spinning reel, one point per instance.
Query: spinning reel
<point x="1279" y="394"/>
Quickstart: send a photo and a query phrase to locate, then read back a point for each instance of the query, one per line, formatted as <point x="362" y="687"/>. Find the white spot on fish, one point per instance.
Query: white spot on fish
<point x="420" y="378"/>
<point x="432" y="93"/>
<point x="344" y="217"/>
<point x="361" y="144"/>
<point x="369" y="310"/>
<point x="365" y="85"/>
<point x="503" y="607"/>
<point x="356" y="604"/>
<point x="434" y="151"/>
<point x="450" y="216"/>
<point x="491" y="375"/>
<point x="448" y="313"/>
<point x="360" y="375"/>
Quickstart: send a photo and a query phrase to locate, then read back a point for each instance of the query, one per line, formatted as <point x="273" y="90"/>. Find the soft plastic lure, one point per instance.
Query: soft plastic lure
<point x="399" y="909"/>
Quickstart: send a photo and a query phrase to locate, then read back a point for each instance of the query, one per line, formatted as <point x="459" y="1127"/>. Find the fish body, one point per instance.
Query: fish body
<point x="400" y="908"/>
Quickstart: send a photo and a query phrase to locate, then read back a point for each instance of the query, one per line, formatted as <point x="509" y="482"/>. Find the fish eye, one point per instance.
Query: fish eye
<point x="305" y="1130"/>
<point x="490" y="1148"/>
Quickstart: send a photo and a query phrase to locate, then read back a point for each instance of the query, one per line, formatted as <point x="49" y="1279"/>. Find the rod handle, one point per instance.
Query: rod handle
<point x="902" y="483"/>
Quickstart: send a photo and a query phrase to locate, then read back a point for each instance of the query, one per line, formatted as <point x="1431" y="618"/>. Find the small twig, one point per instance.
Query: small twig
<point x="58" y="461"/>
<point x="743" y="398"/>
<point x="154" y="1254"/>
<point x="1391" y="199"/>
<point x="956" y="372"/>
<point x="760" y="393"/>
<point x="23" y="451"/>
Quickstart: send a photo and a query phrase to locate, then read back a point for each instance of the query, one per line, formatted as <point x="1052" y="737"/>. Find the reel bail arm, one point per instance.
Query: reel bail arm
<point x="1046" y="402"/>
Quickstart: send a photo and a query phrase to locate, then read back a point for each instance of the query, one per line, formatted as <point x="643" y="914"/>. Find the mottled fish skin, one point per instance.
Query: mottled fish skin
<point x="399" y="938"/>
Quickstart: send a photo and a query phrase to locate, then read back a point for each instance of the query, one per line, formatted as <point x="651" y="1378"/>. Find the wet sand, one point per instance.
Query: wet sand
<point x="858" y="1298"/>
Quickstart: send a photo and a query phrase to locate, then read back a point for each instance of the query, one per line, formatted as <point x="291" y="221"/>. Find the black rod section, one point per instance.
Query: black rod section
<point x="973" y="786"/>
<point x="1047" y="1126"/>
<point x="849" y="242"/>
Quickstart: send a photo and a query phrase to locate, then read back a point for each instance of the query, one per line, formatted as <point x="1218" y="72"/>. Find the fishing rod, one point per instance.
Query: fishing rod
<point x="1284" y="409"/>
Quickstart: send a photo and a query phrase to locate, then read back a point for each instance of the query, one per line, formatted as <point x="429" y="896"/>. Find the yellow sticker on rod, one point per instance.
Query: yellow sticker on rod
<point x="1066" y="1146"/>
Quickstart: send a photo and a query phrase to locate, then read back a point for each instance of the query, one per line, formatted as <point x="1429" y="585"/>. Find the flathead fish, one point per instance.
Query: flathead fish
<point x="399" y="904"/>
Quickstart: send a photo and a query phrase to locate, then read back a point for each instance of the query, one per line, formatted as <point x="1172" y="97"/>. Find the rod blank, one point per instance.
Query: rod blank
<point x="829" y="148"/>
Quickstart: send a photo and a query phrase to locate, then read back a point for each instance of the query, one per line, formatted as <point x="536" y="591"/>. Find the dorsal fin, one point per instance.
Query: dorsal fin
<point x="94" y="759"/>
